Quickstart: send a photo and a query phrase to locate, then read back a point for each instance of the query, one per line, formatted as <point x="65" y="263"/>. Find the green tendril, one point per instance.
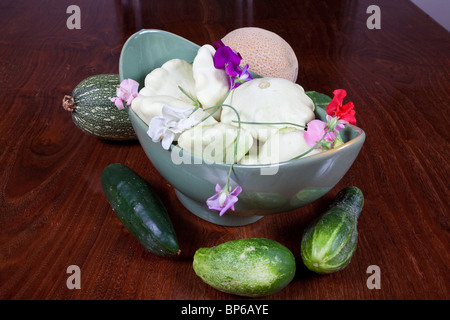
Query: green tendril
<point x="236" y="141"/>
<point x="239" y="122"/>
<point x="315" y="146"/>
<point x="196" y="103"/>
<point x="272" y="123"/>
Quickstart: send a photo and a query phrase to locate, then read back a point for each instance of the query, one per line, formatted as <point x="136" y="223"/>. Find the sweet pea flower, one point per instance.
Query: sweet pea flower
<point x="335" y="123"/>
<point x="315" y="131"/>
<point x="126" y="92"/>
<point x="344" y="112"/>
<point x="229" y="60"/>
<point x="225" y="55"/>
<point x="170" y="125"/>
<point x="323" y="132"/>
<point x="218" y="44"/>
<point x="223" y="199"/>
<point x="238" y="76"/>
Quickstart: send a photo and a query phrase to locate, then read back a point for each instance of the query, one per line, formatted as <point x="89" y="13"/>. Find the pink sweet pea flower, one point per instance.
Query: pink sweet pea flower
<point x="223" y="199"/>
<point x="316" y="130"/>
<point x="126" y="92"/>
<point x="324" y="132"/>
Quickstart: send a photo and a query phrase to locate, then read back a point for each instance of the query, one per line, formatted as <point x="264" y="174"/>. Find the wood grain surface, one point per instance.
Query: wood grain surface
<point x="53" y="212"/>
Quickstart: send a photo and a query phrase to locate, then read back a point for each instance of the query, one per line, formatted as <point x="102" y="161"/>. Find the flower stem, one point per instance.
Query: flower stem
<point x="236" y="143"/>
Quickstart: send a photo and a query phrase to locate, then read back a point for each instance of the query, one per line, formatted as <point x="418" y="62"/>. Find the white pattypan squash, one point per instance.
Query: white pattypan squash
<point x="165" y="81"/>
<point x="211" y="84"/>
<point x="284" y="145"/>
<point x="216" y="142"/>
<point x="147" y="107"/>
<point x="268" y="100"/>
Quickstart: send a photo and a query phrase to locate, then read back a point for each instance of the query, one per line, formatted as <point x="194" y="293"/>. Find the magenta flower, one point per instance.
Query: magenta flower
<point x="126" y="92"/>
<point x="226" y="55"/>
<point x="229" y="60"/>
<point x="238" y="76"/>
<point x="223" y="199"/>
<point x="218" y="44"/>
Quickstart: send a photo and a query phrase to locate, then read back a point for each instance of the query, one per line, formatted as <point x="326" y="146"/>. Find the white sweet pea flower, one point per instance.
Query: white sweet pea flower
<point x="170" y="125"/>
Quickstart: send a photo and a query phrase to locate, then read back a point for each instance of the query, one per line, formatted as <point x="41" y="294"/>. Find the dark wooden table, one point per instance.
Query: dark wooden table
<point x="53" y="213"/>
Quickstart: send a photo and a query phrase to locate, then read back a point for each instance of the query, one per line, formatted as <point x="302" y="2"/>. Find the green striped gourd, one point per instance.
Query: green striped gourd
<point x="94" y="113"/>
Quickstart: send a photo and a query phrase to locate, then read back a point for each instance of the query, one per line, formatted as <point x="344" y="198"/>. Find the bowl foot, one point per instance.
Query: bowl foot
<point x="202" y="211"/>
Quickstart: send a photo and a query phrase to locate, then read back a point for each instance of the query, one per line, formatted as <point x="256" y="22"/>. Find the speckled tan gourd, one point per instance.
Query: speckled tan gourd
<point x="267" y="53"/>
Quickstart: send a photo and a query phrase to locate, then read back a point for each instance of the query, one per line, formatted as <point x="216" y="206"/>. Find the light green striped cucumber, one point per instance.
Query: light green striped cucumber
<point x="253" y="267"/>
<point x="94" y="113"/>
<point x="329" y="243"/>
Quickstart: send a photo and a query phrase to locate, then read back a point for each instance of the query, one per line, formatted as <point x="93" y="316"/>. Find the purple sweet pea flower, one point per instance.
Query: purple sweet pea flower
<point x="226" y="56"/>
<point x="239" y="76"/>
<point x="218" y="44"/>
<point x="223" y="199"/>
<point x="229" y="60"/>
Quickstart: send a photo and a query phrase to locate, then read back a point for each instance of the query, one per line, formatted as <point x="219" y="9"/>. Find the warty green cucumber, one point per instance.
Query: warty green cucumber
<point x="253" y="267"/>
<point x="329" y="243"/>
<point x="139" y="209"/>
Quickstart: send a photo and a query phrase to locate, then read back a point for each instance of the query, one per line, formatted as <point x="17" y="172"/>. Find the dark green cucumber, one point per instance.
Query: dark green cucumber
<point x="139" y="209"/>
<point x="252" y="267"/>
<point x="94" y="113"/>
<point x="329" y="243"/>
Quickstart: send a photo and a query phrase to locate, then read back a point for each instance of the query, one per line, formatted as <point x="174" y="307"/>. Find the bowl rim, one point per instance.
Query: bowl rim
<point x="146" y="31"/>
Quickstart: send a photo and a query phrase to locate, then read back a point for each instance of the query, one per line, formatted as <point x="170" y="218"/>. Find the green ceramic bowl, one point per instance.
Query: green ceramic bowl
<point x="267" y="189"/>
